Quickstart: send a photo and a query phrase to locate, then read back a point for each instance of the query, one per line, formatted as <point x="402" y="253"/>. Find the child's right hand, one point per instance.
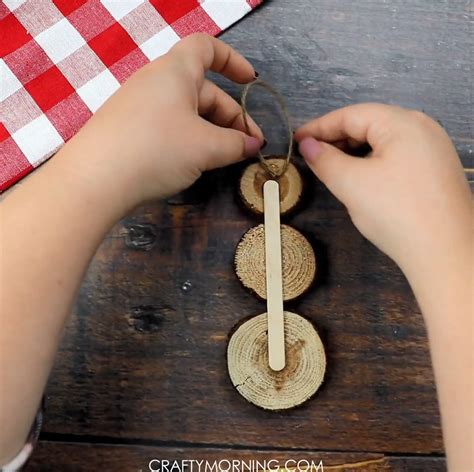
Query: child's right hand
<point x="410" y="196"/>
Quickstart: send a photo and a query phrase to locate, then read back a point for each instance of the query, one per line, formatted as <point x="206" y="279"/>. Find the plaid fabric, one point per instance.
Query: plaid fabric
<point x="61" y="59"/>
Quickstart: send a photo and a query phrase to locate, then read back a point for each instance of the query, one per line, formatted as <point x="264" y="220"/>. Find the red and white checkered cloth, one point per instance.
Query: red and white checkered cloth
<point x="61" y="59"/>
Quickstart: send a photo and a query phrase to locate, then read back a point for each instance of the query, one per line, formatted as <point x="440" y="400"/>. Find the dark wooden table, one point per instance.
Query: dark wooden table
<point x="141" y="373"/>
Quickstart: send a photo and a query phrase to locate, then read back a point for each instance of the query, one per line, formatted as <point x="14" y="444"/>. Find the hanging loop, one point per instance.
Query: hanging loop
<point x="273" y="170"/>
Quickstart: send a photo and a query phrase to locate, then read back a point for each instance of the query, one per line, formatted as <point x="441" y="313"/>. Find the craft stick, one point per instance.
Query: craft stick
<point x="276" y="326"/>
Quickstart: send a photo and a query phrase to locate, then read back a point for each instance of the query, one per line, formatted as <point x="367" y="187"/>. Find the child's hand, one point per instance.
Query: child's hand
<point x="410" y="197"/>
<point x="151" y="136"/>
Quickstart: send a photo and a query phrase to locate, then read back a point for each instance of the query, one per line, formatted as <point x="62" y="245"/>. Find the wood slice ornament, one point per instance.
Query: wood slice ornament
<point x="275" y="360"/>
<point x="298" y="262"/>
<point x="254" y="176"/>
<point x="247" y="359"/>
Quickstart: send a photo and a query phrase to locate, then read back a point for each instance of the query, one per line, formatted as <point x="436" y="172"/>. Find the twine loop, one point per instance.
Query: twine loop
<point x="272" y="169"/>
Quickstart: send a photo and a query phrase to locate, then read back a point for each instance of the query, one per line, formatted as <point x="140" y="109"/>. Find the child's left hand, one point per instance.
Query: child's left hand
<point x="151" y="137"/>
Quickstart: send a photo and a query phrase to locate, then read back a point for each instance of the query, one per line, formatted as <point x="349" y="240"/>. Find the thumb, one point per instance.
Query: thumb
<point x="226" y="146"/>
<point x="333" y="167"/>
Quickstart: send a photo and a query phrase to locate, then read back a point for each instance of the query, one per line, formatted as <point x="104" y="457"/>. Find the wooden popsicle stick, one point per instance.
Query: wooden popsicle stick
<point x="276" y="326"/>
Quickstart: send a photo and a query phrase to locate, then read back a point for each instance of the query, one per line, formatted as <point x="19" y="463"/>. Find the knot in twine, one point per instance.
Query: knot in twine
<point x="272" y="169"/>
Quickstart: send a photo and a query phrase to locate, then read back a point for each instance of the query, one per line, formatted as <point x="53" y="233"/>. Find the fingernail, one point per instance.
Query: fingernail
<point x="256" y="75"/>
<point x="310" y="148"/>
<point x="252" y="145"/>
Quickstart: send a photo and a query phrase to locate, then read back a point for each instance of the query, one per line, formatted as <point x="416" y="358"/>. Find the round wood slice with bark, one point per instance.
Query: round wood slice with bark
<point x="298" y="262"/>
<point x="303" y="374"/>
<point x="254" y="176"/>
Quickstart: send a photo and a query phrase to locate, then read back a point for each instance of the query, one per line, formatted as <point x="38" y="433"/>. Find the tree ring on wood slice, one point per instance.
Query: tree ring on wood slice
<point x="298" y="262"/>
<point x="254" y="176"/>
<point x="247" y="362"/>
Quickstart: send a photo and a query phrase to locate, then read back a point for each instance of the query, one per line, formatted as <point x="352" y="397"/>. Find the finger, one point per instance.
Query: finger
<point x="221" y="109"/>
<point x="367" y="122"/>
<point x="353" y="143"/>
<point x="334" y="168"/>
<point x="341" y="144"/>
<point x="201" y="52"/>
<point x="226" y="146"/>
<point x="345" y="145"/>
<point x="352" y="147"/>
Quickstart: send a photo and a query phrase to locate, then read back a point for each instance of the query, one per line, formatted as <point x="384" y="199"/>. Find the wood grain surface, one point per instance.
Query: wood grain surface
<point x="142" y="365"/>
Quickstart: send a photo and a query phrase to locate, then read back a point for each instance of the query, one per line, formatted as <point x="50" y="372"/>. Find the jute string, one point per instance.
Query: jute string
<point x="273" y="170"/>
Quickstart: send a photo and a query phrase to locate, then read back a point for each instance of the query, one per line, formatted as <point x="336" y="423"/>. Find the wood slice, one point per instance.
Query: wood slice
<point x="298" y="262"/>
<point x="253" y="178"/>
<point x="247" y="362"/>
